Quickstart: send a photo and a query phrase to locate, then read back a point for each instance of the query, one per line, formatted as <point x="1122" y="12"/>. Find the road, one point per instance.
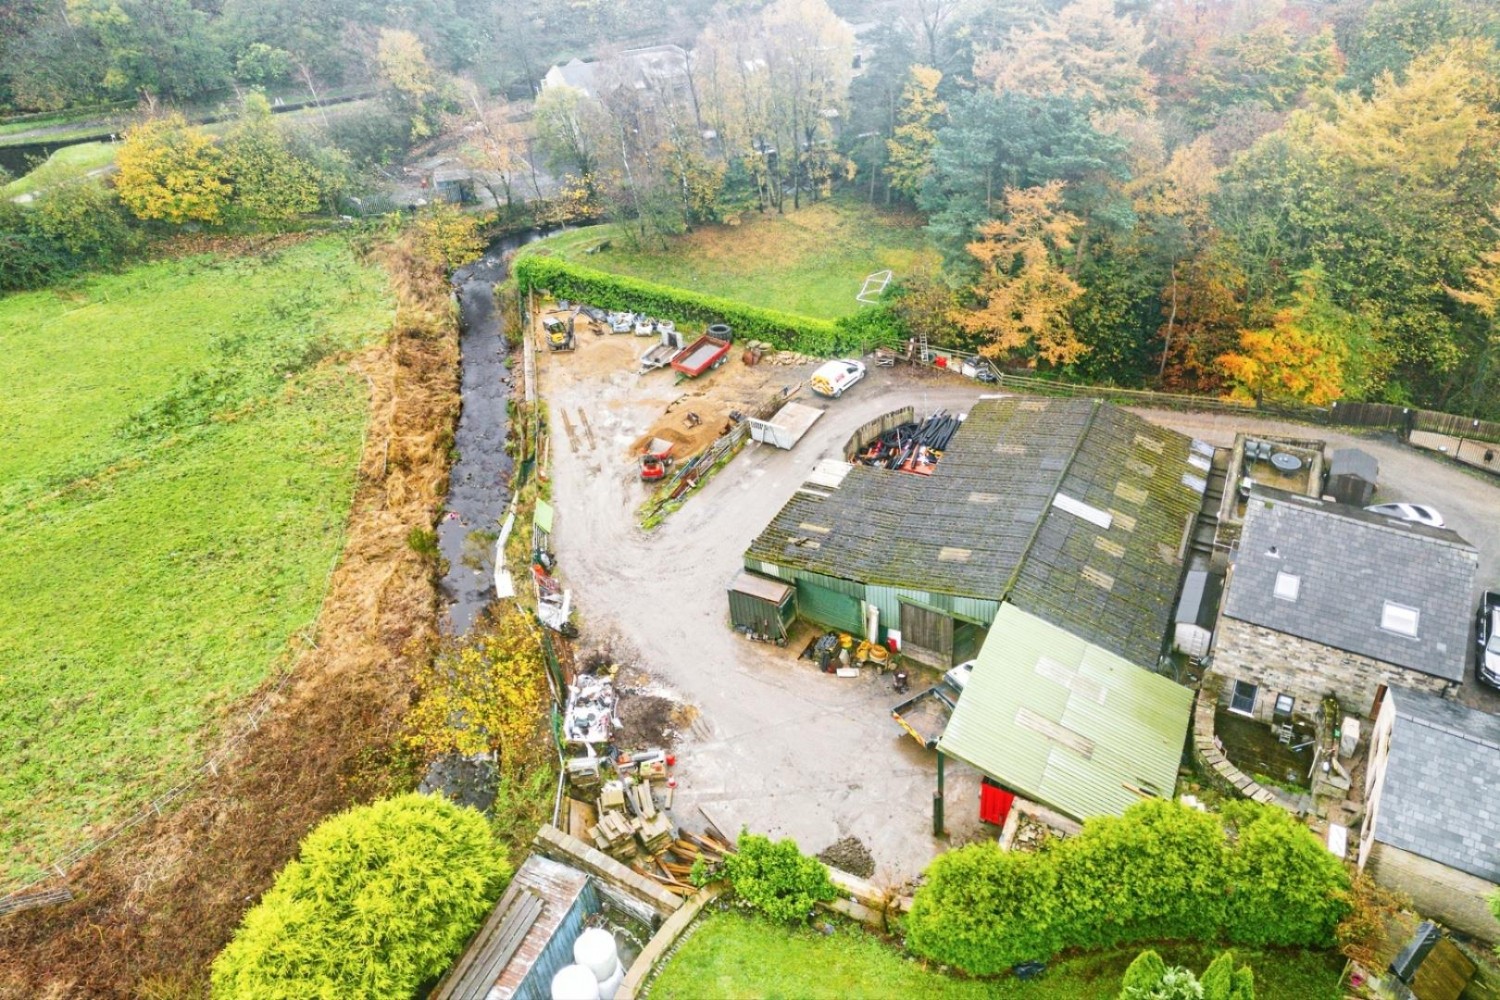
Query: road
<point x="779" y="747"/>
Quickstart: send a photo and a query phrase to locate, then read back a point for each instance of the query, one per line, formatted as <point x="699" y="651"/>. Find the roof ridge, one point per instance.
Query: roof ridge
<point x="1046" y="512"/>
<point x="1392" y="526"/>
<point x="1440" y="727"/>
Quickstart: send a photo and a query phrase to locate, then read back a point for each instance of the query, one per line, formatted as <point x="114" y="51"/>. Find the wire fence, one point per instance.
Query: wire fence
<point x="13" y="895"/>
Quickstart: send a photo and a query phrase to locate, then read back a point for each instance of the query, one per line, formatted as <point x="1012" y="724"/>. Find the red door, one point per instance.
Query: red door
<point x="994" y="802"/>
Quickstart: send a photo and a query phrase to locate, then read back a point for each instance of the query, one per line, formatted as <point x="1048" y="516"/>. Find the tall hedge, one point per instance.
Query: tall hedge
<point x="378" y="902"/>
<point x="1162" y="871"/>
<point x="984" y="909"/>
<point x="1282" y="883"/>
<point x="604" y="290"/>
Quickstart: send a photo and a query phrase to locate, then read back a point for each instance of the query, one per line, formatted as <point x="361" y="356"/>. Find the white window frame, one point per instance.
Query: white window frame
<point x="1393" y="619"/>
<point x="1234" y="697"/>
<point x="1288" y="586"/>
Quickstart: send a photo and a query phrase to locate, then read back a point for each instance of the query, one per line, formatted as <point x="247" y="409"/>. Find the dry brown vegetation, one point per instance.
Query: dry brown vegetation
<point x="154" y="907"/>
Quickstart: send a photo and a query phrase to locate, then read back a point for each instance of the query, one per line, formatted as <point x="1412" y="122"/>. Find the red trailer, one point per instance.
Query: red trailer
<point x="702" y="354"/>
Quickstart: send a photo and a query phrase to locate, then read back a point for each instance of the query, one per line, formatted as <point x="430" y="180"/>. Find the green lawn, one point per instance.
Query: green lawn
<point x="738" y="957"/>
<point x="178" y="468"/>
<point x="70" y="161"/>
<point x="813" y="261"/>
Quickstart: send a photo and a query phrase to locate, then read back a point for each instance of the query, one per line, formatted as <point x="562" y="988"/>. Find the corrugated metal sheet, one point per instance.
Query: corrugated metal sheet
<point x="536" y="984"/>
<point x="493" y="960"/>
<point x="830" y="608"/>
<point x="888" y="600"/>
<point x="1066" y="723"/>
<point x="767" y="606"/>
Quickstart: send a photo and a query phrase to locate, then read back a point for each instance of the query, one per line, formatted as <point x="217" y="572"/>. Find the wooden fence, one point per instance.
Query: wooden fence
<point x="1400" y="419"/>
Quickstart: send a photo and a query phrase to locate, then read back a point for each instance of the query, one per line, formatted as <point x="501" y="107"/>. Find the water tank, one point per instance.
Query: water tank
<point x="608" y="986"/>
<point x="595" y="950"/>
<point x="575" y="982"/>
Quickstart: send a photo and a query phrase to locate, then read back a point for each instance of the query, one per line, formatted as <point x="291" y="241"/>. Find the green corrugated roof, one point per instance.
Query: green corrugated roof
<point x="1067" y="723"/>
<point x="542" y="516"/>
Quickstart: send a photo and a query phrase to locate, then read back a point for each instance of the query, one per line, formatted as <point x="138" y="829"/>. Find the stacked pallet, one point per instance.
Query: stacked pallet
<point x="673" y="867"/>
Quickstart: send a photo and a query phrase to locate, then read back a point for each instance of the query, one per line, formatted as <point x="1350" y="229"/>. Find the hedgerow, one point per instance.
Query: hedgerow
<point x="806" y="334"/>
<point x="1160" y="872"/>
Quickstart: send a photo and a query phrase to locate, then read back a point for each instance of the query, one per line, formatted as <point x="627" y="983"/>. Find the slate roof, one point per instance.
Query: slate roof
<point x="985" y="524"/>
<point x="1442" y="784"/>
<point x="1067" y="723"/>
<point x="1349" y="564"/>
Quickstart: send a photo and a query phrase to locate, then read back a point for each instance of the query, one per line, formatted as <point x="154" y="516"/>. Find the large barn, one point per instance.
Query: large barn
<point x="1074" y="511"/>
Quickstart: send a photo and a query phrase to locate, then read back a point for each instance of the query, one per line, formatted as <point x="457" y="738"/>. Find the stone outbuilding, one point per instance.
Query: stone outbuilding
<point x="1432" y="808"/>
<point x="1324" y="598"/>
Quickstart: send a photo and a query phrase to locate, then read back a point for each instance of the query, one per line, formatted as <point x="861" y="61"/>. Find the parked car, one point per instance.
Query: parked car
<point x="959" y="675"/>
<point x="1414" y="512"/>
<point x="835" y="376"/>
<point x="1487" y="630"/>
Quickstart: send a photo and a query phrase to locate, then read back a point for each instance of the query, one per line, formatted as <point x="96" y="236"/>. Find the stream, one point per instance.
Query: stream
<point x="479" y="485"/>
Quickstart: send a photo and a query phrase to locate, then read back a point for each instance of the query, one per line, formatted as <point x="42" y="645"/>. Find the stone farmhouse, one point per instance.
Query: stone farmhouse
<point x="1324" y="599"/>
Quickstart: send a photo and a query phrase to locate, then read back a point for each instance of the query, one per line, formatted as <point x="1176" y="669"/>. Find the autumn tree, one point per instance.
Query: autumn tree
<point x="1024" y="292"/>
<point x="1312" y="352"/>
<point x="485" y="695"/>
<point x="1387" y="194"/>
<point x="413" y="87"/>
<point x="910" y="147"/>
<point x="771" y="84"/>
<point x="566" y="135"/>
<point x="271" y="183"/>
<point x="172" y="171"/>
<point x="497" y="151"/>
<point x="1085" y="50"/>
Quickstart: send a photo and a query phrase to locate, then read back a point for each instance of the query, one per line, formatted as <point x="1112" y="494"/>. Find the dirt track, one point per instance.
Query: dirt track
<point x="777" y="746"/>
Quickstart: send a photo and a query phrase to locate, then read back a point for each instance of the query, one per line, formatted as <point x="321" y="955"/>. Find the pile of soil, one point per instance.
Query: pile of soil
<point x="646" y="721"/>
<point x="849" y="855"/>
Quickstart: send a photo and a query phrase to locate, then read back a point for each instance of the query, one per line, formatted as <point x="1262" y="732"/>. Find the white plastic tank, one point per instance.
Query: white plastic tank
<point x="608" y="987"/>
<point x="575" y="982"/>
<point x="595" y="950"/>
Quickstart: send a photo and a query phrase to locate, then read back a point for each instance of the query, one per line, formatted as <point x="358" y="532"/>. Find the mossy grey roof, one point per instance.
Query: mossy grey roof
<point x="987" y="524"/>
<point x="1442" y="784"/>
<point x="1349" y="563"/>
<point x="1065" y="722"/>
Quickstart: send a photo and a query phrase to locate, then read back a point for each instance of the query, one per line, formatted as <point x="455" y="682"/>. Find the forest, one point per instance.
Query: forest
<point x="1278" y="201"/>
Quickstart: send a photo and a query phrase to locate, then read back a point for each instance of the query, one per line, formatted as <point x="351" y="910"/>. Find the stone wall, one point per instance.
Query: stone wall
<point x="1284" y="664"/>
<point x="1447" y="894"/>
<point x="1211" y="764"/>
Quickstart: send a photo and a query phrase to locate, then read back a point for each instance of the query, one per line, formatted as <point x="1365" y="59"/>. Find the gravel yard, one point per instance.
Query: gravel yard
<point x="767" y="741"/>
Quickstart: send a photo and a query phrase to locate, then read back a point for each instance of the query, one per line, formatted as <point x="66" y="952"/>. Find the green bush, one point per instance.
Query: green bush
<point x="1160" y="872"/>
<point x="777" y="879"/>
<point x="984" y="910"/>
<point x="1149" y="978"/>
<point x="566" y="279"/>
<point x="377" y="903"/>
<point x="1157" y="873"/>
<point x="1284" y="886"/>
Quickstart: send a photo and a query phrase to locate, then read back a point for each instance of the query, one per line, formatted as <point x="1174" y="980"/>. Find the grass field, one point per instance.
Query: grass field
<point x="738" y="957"/>
<point x="70" y="161"/>
<point x="813" y="261"/>
<point x="181" y="443"/>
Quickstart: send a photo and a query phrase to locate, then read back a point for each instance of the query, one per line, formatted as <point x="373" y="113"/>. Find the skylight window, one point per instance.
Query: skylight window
<point x="1400" y="619"/>
<point x="1288" y="586"/>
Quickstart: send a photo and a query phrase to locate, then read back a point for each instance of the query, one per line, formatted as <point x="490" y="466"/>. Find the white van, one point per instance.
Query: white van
<point x="835" y="376"/>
